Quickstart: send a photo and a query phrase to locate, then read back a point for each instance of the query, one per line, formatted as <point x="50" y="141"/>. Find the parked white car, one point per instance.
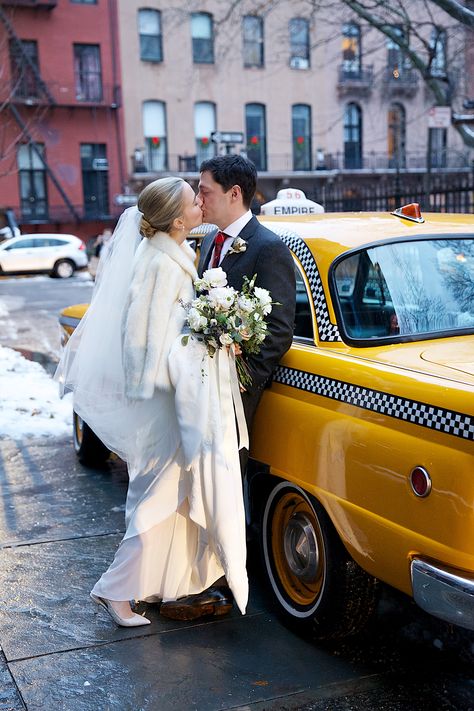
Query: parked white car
<point x="59" y="255"/>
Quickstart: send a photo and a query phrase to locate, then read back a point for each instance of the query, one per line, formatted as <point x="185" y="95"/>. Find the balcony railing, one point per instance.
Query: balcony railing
<point x="401" y="81"/>
<point x="30" y="93"/>
<point x="355" y="79"/>
<point x="282" y="164"/>
<point x="41" y="4"/>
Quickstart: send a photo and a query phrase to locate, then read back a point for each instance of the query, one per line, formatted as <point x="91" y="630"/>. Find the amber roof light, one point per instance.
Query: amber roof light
<point x="410" y="212"/>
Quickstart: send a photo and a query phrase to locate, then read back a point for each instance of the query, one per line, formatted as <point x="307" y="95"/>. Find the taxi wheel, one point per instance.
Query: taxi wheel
<point x="320" y="590"/>
<point x="88" y="447"/>
<point x="63" y="269"/>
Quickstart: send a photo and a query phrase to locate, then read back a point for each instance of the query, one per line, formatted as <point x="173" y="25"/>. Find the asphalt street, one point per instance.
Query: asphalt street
<point x="60" y="524"/>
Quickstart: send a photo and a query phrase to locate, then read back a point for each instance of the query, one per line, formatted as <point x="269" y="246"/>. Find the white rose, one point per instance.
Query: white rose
<point x="226" y="339"/>
<point x="215" y="277"/>
<point x="245" y="304"/>
<point x="196" y="320"/>
<point x="222" y="298"/>
<point x="263" y="296"/>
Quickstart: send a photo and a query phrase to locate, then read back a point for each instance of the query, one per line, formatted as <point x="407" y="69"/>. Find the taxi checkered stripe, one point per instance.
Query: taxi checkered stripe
<point x="418" y="413"/>
<point x="327" y="331"/>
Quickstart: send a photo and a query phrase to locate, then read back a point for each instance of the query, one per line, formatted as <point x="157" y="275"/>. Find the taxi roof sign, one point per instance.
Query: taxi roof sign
<point x="291" y="201"/>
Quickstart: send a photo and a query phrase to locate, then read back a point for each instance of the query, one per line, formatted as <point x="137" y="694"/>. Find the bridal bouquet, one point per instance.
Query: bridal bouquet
<point x="221" y="316"/>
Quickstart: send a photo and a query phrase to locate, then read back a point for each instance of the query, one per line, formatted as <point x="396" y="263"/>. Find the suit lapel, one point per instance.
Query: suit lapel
<point x="207" y="245"/>
<point x="246" y="233"/>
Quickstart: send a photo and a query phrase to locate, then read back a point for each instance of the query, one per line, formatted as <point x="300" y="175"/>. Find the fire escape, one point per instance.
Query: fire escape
<point x="41" y="94"/>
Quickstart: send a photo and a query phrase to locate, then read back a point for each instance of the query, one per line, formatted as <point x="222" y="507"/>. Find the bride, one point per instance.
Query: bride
<point x="168" y="409"/>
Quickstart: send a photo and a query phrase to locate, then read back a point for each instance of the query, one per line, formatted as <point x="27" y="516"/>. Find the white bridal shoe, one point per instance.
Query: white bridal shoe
<point x="133" y="621"/>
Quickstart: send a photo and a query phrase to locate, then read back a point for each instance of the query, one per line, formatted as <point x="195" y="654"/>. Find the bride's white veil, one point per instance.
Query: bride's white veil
<point x="91" y="363"/>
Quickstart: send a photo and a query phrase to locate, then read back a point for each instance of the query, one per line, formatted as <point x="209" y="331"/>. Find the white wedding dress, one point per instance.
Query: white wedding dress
<point x="185" y="520"/>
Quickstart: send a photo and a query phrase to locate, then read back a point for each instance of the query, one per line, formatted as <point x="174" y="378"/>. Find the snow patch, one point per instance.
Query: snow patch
<point x="29" y="399"/>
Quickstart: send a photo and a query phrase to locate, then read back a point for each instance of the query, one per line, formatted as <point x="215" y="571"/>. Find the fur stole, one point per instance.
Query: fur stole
<point x="163" y="274"/>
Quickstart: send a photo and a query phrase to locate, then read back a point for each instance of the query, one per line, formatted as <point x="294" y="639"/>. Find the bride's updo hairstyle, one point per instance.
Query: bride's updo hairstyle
<point x="161" y="202"/>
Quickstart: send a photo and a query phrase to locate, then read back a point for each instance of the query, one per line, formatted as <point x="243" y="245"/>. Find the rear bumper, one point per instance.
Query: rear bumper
<point x="443" y="592"/>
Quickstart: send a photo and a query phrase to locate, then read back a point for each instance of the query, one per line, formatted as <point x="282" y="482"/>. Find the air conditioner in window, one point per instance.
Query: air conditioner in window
<point x="299" y="63"/>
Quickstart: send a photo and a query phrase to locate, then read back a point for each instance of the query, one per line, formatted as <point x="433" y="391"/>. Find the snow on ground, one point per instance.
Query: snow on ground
<point x="29" y="399"/>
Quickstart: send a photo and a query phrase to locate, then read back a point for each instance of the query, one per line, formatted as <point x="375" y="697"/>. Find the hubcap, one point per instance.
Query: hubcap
<point x="65" y="270"/>
<point x="298" y="548"/>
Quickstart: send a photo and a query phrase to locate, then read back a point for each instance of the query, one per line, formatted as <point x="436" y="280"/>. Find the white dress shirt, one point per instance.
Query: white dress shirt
<point x="232" y="231"/>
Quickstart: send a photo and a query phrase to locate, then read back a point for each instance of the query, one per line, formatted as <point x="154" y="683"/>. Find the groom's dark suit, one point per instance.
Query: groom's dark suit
<point x="270" y="259"/>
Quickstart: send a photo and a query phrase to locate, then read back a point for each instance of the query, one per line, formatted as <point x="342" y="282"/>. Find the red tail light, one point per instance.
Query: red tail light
<point x="82" y="246"/>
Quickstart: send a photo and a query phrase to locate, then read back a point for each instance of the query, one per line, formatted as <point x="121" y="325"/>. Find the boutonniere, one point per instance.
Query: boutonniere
<point x="237" y="246"/>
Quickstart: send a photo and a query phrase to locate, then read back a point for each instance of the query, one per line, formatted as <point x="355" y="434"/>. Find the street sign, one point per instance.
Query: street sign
<point x="128" y="200"/>
<point x="439" y="117"/>
<point x="227" y="137"/>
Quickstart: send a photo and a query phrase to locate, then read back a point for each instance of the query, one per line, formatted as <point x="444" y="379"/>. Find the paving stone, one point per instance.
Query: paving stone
<point x="47" y="494"/>
<point x="205" y="667"/>
<point x="9" y="697"/>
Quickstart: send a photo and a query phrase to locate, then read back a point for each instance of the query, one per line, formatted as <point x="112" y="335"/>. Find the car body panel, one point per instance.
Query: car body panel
<point x="37" y="255"/>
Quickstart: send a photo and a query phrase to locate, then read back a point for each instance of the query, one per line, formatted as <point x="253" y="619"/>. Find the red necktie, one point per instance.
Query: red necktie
<point x="219" y="240"/>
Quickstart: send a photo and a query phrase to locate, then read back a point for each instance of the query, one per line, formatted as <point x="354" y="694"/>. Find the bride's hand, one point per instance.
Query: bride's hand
<point x="237" y="349"/>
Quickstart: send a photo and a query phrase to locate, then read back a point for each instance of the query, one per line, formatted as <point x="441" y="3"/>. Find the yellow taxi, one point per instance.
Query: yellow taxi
<point x="363" y="447"/>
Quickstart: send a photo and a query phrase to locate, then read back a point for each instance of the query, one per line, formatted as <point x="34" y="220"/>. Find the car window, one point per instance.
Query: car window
<point x="52" y="242"/>
<point x="303" y="318"/>
<point x="407" y="289"/>
<point x="21" y="244"/>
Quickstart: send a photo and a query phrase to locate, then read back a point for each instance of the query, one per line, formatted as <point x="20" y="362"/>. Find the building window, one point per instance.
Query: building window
<point x="351" y="50"/>
<point x="202" y="33"/>
<point x="252" y="32"/>
<point x="154" y="131"/>
<point x="438" y="43"/>
<point x="396" y="59"/>
<point x="396" y="136"/>
<point x="149" y="30"/>
<point x="88" y="72"/>
<point x="32" y="177"/>
<point x="299" y="43"/>
<point x="84" y="2"/>
<point x="438" y="140"/>
<point x="301" y="123"/>
<point x="204" y="125"/>
<point x="24" y="69"/>
<point x="255" y="128"/>
<point x="95" y="179"/>
<point x="352" y="136"/>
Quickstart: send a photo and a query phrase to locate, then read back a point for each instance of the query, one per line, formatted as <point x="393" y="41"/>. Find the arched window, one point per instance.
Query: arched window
<point x="299" y="43"/>
<point x="204" y="125"/>
<point x="396" y="136"/>
<point x="255" y="128"/>
<point x="149" y="32"/>
<point x="301" y="126"/>
<point x="352" y="136"/>
<point x="202" y="34"/>
<point x="154" y="131"/>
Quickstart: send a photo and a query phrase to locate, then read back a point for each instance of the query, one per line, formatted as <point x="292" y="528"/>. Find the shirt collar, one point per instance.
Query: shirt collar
<point x="235" y="228"/>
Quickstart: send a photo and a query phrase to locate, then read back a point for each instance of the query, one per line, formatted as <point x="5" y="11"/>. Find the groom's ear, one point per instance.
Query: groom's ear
<point x="236" y="193"/>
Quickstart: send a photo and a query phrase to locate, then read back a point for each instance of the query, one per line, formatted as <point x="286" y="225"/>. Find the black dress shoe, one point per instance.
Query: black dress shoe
<point x="213" y="602"/>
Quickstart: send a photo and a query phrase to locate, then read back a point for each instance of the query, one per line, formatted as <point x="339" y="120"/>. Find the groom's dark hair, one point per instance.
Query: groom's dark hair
<point x="233" y="170"/>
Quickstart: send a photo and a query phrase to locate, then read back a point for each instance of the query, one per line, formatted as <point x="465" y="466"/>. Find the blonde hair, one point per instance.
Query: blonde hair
<point x="161" y="202"/>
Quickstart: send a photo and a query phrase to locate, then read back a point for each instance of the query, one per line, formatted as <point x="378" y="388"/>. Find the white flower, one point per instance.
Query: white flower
<point x="238" y="245"/>
<point x="264" y="298"/>
<point x="196" y="320"/>
<point x="226" y="339"/>
<point x="212" y="278"/>
<point x="222" y="298"/>
<point x="245" y="304"/>
<point x="245" y="333"/>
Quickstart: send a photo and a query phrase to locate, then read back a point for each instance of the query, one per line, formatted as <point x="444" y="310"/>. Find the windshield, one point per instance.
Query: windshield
<point x="407" y="289"/>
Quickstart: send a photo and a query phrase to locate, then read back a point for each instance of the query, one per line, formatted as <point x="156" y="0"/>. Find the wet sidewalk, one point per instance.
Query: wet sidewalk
<point x="60" y="524"/>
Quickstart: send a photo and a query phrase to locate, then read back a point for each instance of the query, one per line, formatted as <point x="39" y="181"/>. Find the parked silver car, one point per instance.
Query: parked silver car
<point x="57" y="254"/>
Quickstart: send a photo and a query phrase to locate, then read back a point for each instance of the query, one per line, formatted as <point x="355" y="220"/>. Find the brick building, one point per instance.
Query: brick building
<point x="61" y="143"/>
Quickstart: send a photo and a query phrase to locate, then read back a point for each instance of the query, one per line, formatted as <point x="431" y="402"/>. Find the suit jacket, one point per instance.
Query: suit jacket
<point x="270" y="259"/>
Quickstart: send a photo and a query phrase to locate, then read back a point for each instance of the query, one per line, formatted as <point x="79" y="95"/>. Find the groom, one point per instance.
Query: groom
<point x="242" y="247"/>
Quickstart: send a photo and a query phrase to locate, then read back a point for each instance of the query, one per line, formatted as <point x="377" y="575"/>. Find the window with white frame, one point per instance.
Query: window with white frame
<point x="252" y="35"/>
<point x="438" y="44"/>
<point x="204" y="125"/>
<point x="149" y="31"/>
<point x="154" y="131"/>
<point x="202" y="33"/>
<point x="299" y="43"/>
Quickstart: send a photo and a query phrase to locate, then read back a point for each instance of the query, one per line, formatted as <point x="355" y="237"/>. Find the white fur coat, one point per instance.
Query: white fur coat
<point x="153" y="318"/>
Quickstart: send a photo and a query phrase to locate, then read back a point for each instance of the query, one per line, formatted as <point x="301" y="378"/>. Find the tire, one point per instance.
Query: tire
<point x="63" y="269"/>
<point x="320" y="591"/>
<point x="88" y="447"/>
